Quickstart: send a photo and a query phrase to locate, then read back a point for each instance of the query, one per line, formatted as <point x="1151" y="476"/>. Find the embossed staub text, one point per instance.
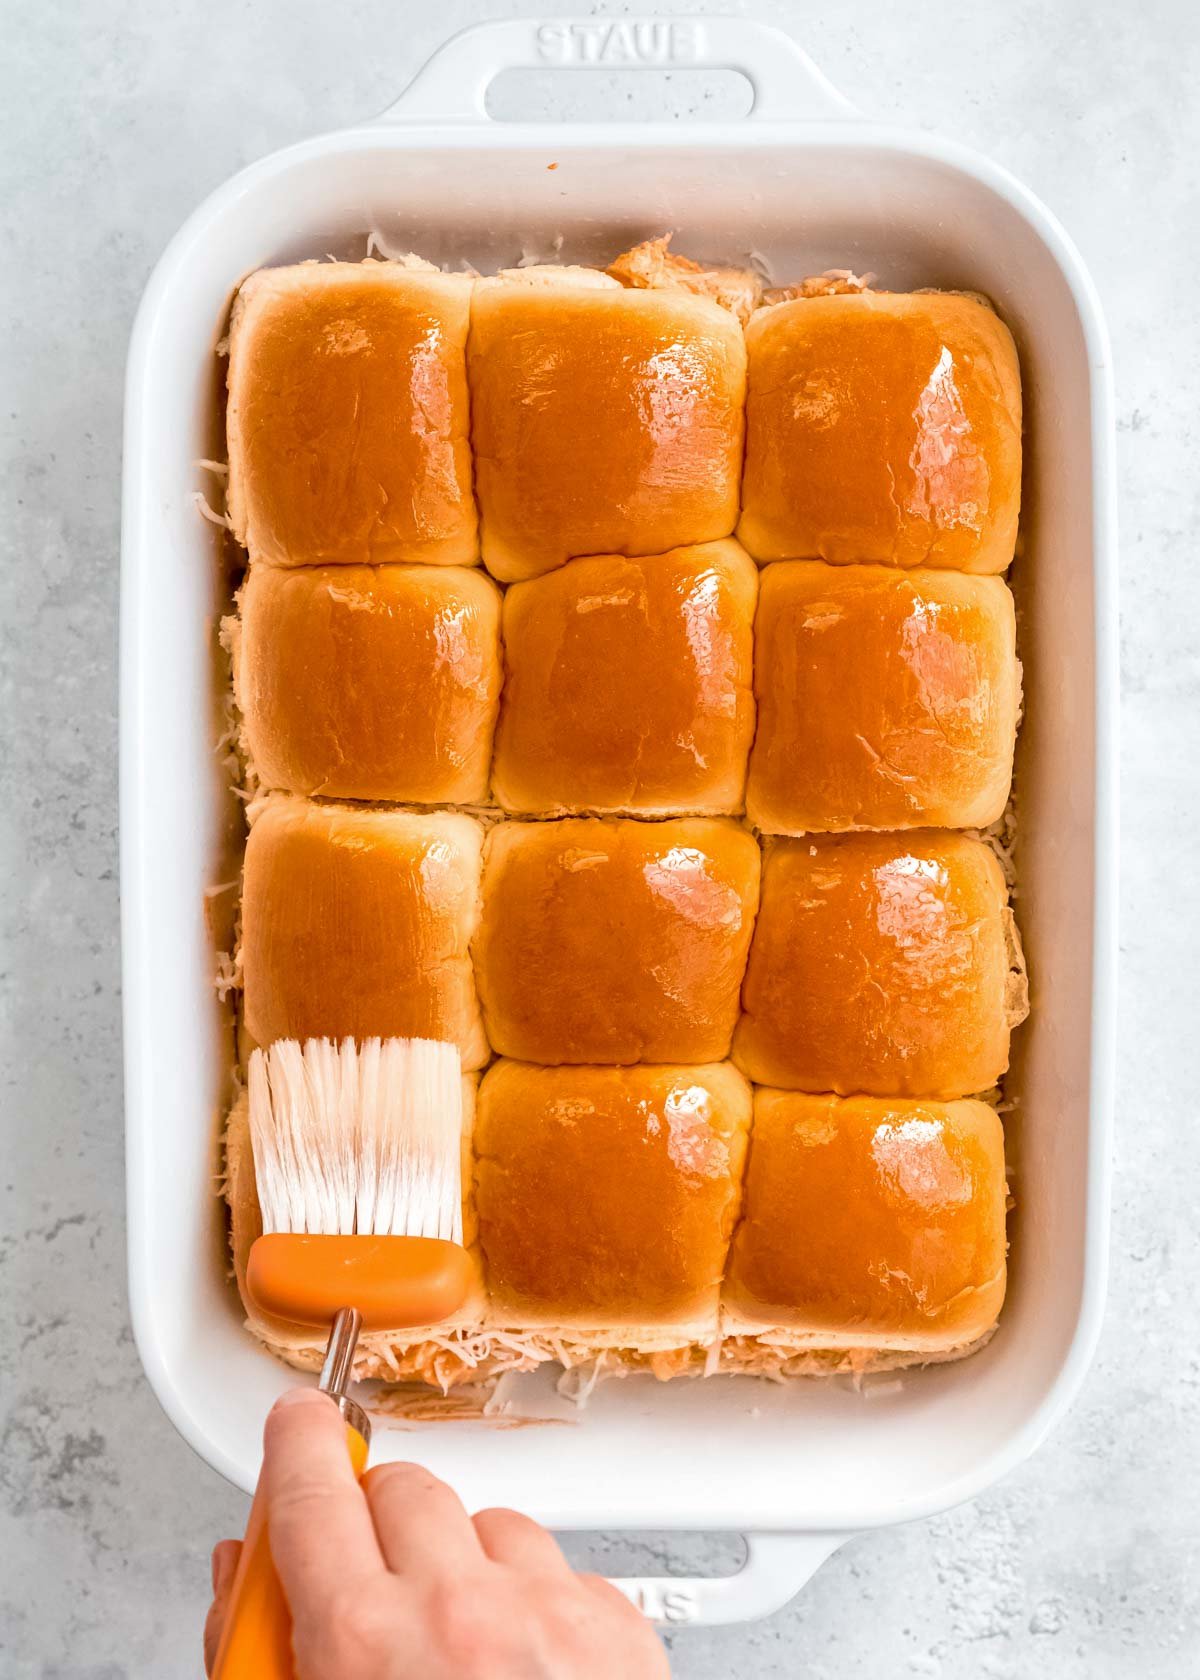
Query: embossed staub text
<point x="621" y="41"/>
<point x="672" y="1602"/>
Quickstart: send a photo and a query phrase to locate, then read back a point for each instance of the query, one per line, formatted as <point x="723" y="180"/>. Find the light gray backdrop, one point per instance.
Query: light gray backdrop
<point x="117" y="119"/>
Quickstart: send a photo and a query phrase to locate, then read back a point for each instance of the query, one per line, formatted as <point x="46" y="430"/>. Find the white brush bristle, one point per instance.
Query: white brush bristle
<point x="358" y="1137"/>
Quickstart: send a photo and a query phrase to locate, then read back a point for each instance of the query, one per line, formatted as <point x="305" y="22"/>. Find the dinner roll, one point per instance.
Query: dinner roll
<point x="628" y="684"/>
<point x="606" y="1196"/>
<point x="611" y="941"/>
<point x="603" y="420"/>
<point x="369" y="682"/>
<point x="881" y="963"/>
<point x="886" y="699"/>
<point x="882" y="426"/>
<point x="356" y="924"/>
<point x="870" y="1219"/>
<point x="347" y="417"/>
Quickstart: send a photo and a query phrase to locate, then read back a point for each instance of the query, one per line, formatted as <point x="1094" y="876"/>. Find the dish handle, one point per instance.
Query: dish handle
<point x="776" y="1567"/>
<point x="451" y="87"/>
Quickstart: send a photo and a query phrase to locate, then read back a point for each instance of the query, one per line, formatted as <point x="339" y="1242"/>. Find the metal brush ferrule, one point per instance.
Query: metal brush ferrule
<point x="339" y="1363"/>
<point x="355" y="1417"/>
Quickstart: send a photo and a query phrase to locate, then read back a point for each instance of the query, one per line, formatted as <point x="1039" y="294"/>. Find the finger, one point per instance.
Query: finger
<point x="421" y="1524"/>
<point x="508" y="1537"/>
<point x="320" y="1528"/>
<point x="225" y="1557"/>
<point x="214" y="1624"/>
<point x="224" y="1568"/>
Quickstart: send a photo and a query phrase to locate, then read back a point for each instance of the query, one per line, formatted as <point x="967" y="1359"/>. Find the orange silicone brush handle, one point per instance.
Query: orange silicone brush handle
<point x="395" y="1282"/>
<point x="256" y="1643"/>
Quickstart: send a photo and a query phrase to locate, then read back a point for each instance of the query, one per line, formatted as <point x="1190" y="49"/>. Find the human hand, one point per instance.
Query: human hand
<point x="391" y="1579"/>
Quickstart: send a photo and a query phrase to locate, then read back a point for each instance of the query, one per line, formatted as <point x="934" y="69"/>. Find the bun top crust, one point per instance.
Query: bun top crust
<point x="348" y="416"/>
<point x="882" y="426"/>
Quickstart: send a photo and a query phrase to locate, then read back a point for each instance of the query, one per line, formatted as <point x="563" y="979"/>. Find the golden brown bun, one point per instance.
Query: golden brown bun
<point x="627" y="685"/>
<point x="604" y="421"/>
<point x="882" y="426"/>
<point x="348" y="418"/>
<point x="241" y="1191"/>
<point x="370" y="682"/>
<point x="292" y="1341"/>
<point x="611" y="941"/>
<point x="871" y="1218"/>
<point x="886" y="699"/>
<point x="356" y="924"/>
<point x="881" y="963"/>
<point x="606" y="1196"/>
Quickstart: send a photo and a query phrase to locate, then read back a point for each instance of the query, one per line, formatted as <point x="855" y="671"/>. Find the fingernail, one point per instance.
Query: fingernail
<point x="302" y="1397"/>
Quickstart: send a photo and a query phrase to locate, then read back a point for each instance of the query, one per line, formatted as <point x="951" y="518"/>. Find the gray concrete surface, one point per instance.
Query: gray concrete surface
<point x="117" y="118"/>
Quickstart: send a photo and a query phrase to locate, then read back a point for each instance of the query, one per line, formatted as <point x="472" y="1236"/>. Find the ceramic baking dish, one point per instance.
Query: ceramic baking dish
<point x="806" y="185"/>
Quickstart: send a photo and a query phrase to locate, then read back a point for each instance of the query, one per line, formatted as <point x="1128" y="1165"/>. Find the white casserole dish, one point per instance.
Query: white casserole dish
<point x="797" y="1468"/>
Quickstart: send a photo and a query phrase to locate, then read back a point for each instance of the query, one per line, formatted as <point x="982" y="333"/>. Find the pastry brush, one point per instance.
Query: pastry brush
<point x="357" y="1161"/>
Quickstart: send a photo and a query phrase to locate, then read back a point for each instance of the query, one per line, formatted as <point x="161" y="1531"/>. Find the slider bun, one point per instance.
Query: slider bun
<point x="628" y="684"/>
<point x="604" y="421"/>
<point x="870" y="1219"/>
<point x="882" y="426"/>
<point x="612" y="941"/>
<point x="881" y="963"/>
<point x="606" y="1196"/>
<point x="356" y="924"/>
<point x="348" y="417"/>
<point x="886" y="699"/>
<point x="370" y="682"/>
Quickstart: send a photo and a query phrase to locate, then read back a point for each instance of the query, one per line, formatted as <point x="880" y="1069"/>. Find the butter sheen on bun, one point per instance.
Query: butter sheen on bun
<point x="348" y="416"/>
<point x="882" y="426"/>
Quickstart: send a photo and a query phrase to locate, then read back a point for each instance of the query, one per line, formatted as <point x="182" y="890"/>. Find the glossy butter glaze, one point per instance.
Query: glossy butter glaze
<point x="882" y="426"/>
<point x="603" y="421"/>
<point x="356" y="924"/>
<point x="615" y="941"/>
<point x="369" y="682"/>
<point x="628" y="684"/>
<point x="872" y="1218"/>
<point x="886" y="699"/>
<point x="881" y="964"/>
<point x="606" y="441"/>
<point x="348" y="415"/>
<point x="606" y="1196"/>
